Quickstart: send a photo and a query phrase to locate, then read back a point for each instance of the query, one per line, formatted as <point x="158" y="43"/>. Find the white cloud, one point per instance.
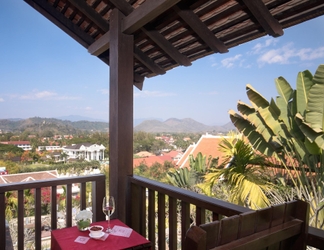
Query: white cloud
<point x="146" y="93"/>
<point x="88" y="108"/>
<point x="229" y="62"/>
<point x="310" y="54"/>
<point x="287" y="53"/>
<point x="44" y="95"/>
<point x="260" y="46"/>
<point x="1" y="99"/>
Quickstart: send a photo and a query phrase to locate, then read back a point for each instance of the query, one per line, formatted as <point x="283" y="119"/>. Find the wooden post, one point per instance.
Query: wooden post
<point x="120" y="113"/>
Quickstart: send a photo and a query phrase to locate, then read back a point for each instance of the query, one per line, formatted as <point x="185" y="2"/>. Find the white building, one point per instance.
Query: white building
<point x="86" y="151"/>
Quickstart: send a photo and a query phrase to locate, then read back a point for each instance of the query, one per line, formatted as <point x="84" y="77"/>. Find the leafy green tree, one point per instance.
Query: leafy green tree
<point x="243" y="172"/>
<point x="189" y="178"/>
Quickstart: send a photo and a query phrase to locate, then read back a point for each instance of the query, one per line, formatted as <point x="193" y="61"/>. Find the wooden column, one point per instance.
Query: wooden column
<point x="120" y="113"/>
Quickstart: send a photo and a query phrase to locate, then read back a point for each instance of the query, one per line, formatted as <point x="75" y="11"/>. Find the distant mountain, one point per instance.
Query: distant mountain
<point x="76" y="118"/>
<point x="186" y="125"/>
<point x="40" y="125"/>
<point x="56" y="126"/>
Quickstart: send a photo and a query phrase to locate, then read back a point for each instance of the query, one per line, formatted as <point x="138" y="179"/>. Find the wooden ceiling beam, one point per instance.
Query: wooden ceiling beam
<point x="167" y="47"/>
<point x="43" y="7"/>
<point x="264" y="17"/>
<point x="146" y="13"/>
<point x="149" y="63"/>
<point x="154" y="35"/>
<point x="200" y="28"/>
<point x="93" y="15"/>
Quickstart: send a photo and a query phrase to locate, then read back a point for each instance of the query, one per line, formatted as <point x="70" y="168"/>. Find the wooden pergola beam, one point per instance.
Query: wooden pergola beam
<point x="156" y="37"/>
<point x="264" y="17"/>
<point x="43" y="7"/>
<point x="134" y="21"/>
<point x="200" y="28"/>
<point x="146" y="13"/>
<point x="93" y="15"/>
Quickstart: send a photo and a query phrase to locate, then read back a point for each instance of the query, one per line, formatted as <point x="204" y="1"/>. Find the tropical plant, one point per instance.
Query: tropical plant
<point x="243" y="172"/>
<point x="293" y="122"/>
<point x="291" y="129"/>
<point x="190" y="177"/>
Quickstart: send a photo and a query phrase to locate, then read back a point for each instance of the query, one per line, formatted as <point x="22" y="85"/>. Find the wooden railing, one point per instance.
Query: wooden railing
<point x="97" y="193"/>
<point x="159" y="211"/>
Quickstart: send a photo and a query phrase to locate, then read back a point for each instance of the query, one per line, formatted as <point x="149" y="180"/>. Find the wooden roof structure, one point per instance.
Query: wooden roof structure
<point x="146" y="38"/>
<point x="170" y="33"/>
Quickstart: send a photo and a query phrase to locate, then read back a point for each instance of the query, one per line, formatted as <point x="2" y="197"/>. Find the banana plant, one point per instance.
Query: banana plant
<point x="294" y="121"/>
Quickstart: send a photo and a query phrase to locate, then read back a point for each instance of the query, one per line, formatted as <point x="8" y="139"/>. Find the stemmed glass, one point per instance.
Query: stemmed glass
<point x="108" y="208"/>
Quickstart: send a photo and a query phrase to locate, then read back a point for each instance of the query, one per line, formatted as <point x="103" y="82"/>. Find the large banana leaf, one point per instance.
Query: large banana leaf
<point x="252" y="116"/>
<point x="256" y="98"/>
<point x="284" y="89"/>
<point x="262" y="106"/>
<point x="311" y="134"/>
<point x="319" y="75"/>
<point x="304" y="84"/>
<point x="281" y="104"/>
<point x="315" y="107"/>
<point x="249" y="131"/>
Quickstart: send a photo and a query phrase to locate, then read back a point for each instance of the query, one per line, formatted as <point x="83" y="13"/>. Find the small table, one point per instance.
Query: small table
<point x="64" y="239"/>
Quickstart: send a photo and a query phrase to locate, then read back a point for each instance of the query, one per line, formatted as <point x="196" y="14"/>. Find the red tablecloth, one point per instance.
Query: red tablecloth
<point x="64" y="239"/>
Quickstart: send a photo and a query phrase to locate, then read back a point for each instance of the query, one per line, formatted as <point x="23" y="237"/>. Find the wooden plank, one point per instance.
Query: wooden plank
<point x="120" y="112"/>
<point x="185" y="220"/>
<point x="123" y="6"/>
<point x="265" y="238"/>
<point x="167" y="47"/>
<point x="54" y="207"/>
<point x="93" y="15"/>
<point x="151" y="217"/>
<point x="135" y="209"/>
<point x="100" y="46"/>
<point x="3" y="221"/>
<point x="264" y="17"/>
<point x="98" y="191"/>
<point x="149" y="63"/>
<point x="173" y="217"/>
<point x="161" y="220"/>
<point x="21" y="211"/>
<point x="146" y="13"/>
<point x="247" y="224"/>
<point x="83" y="198"/>
<point x="200" y="29"/>
<point x="200" y="215"/>
<point x="68" y="204"/>
<point x="195" y="239"/>
<point x="264" y="217"/>
<point x="38" y="218"/>
<point x="212" y="233"/>
<point x="43" y="7"/>
<point x="229" y="228"/>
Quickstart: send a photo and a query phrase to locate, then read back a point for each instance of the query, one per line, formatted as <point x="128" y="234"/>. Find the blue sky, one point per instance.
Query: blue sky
<point x="45" y="73"/>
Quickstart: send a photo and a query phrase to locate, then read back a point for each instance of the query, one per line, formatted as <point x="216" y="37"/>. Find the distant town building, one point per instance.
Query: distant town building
<point x="49" y="148"/>
<point x="25" y="145"/>
<point x="85" y="151"/>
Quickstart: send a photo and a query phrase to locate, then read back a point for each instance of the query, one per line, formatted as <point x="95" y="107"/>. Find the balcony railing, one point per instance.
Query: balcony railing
<point x="163" y="213"/>
<point x="160" y="212"/>
<point x="97" y="193"/>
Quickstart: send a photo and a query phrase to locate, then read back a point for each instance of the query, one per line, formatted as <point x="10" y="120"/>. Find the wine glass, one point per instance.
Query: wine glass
<point x="108" y="208"/>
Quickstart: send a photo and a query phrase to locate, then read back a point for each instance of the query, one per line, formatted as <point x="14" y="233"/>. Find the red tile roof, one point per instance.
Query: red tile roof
<point x="24" y="177"/>
<point x="207" y="145"/>
<point x="149" y="161"/>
